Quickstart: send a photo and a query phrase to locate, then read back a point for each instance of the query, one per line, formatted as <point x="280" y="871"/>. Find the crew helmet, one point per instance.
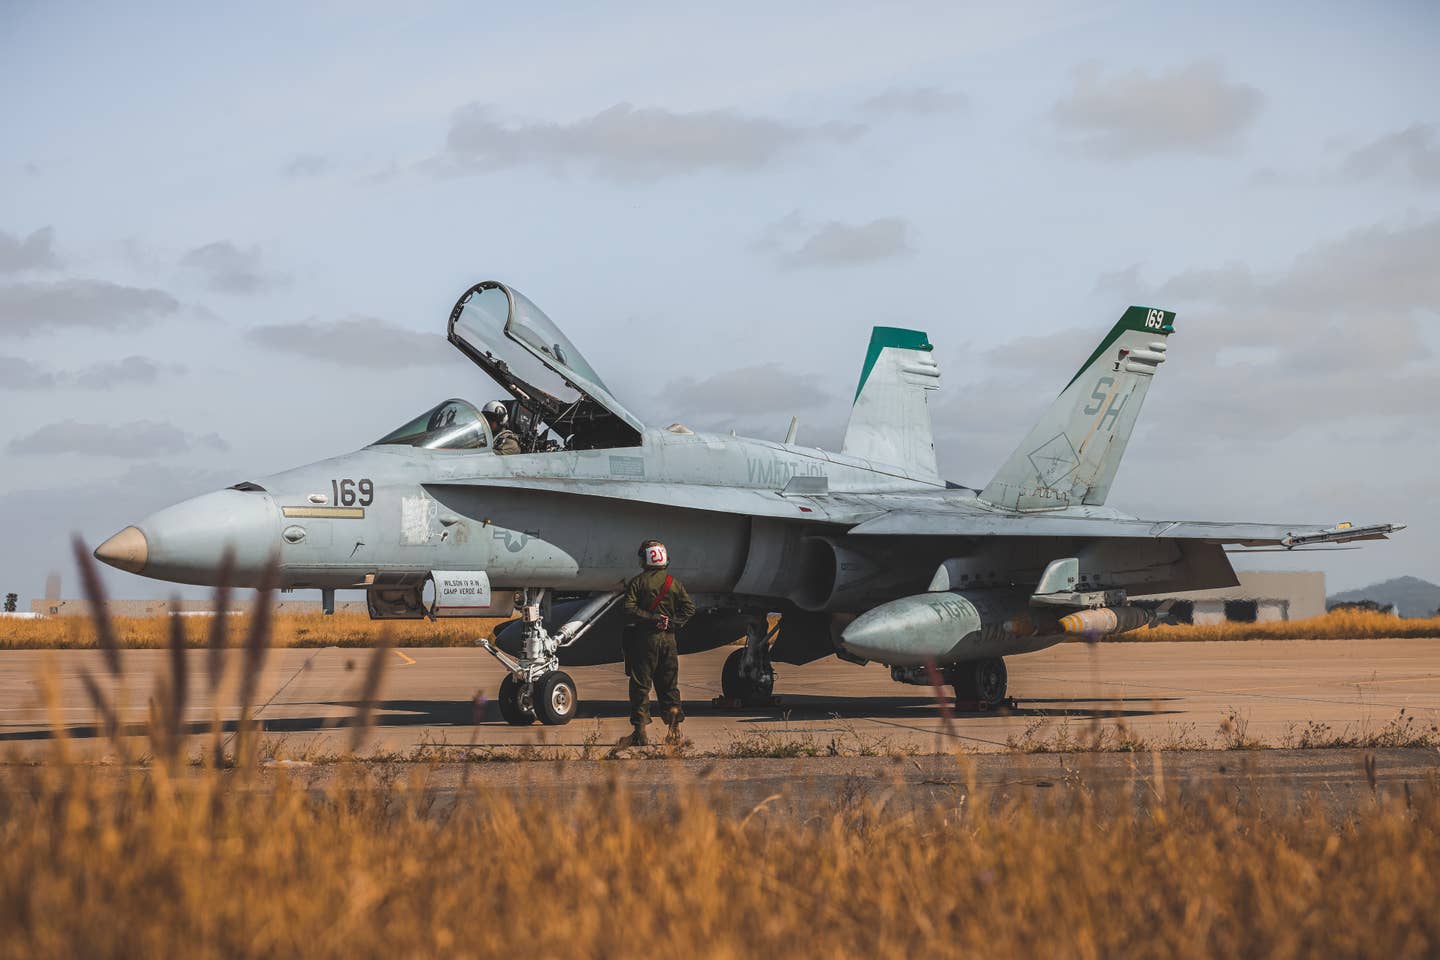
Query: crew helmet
<point x="653" y="555"/>
<point x="495" y="412"/>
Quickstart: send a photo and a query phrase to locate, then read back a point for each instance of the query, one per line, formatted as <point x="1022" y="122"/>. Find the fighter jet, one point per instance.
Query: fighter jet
<point x="866" y="554"/>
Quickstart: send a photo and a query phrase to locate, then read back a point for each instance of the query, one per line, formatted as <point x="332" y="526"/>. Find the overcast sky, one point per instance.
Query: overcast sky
<point x="230" y="237"/>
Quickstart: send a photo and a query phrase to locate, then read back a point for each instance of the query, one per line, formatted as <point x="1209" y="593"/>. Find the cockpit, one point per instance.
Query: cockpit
<point x="452" y="425"/>
<point x="558" y="400"/>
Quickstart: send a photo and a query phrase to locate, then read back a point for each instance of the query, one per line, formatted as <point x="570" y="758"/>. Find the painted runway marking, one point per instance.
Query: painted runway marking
<point x="401" y="655"/>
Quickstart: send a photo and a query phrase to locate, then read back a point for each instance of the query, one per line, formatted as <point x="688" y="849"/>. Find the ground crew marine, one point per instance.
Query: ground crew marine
<point x="658" y="605"/>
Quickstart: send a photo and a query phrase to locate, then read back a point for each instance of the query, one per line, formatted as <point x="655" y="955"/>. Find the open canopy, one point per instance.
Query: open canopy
<point x="526" y="353"/>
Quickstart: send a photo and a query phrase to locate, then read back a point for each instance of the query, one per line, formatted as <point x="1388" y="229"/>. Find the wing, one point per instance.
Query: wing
<point x="898" y="516"/>
<point x="938" y="524"/>
<point x="781" y="504"/>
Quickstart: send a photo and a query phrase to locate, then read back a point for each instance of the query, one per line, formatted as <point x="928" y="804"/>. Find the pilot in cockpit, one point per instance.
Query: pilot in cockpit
<point x="505" y="440"/>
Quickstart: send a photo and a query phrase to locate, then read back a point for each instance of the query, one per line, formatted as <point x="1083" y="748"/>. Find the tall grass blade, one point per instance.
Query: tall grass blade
<point x="99" y="606"/>
<point x="370" y="690"/>
<point x="220" y="625"/>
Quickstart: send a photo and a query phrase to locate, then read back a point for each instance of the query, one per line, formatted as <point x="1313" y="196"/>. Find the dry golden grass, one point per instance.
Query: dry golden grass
<point x="358" y="630"/>
<point x="287" y="630"/>
<point x="1339" y="625"/>
<point x="1097" y="735"/>
<point x="100" y="863"/>
<point x="224" y="860"/>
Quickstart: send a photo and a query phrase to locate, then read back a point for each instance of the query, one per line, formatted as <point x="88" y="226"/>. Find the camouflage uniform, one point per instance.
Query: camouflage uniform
<point x="507" y="442"/>
<point x="650" y="654"/>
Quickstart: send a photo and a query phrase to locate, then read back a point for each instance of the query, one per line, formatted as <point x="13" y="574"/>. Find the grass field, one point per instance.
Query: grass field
<point x="226" y="859"/>
<point x="105" y="863"/>
<point x="357" y="630"/>
<point x="287" y="630"/>
<point x="1339" y="625"/>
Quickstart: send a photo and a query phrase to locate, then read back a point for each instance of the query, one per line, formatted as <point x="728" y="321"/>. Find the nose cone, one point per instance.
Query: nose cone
<point x="185" y="543"/>
<point x="128" y="550"/>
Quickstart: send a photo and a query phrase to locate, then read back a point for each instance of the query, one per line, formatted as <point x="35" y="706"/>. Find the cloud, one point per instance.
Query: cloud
<point x="136" y="440"/>
<point x="18" y="374"/>
<point x="754" y="401"/>
<point x="40" y="521"/>
<point x="1412" y="151"/>
<point x="1381" y="271"/>
<point x="1340" y="333"/>
<point x="225" y="268"/>
<point x="801" y="243"/>
<point x="1190" y="109"/>
<point x="355" y="342"/>
<point x="628" y="143"/>
<point x="1268" y="368"/>
<point x="307" y="165"/>
<point x="916" y="101"/>
<point x="141" y="370"/>
<point x="35" y="252"/>
<point x="30" y="308"/>
<point x="763" y="388"/>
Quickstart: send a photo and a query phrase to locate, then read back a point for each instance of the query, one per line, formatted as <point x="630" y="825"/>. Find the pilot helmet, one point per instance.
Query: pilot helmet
<point x="653" y="555"/>
<point x="496" y="413"/>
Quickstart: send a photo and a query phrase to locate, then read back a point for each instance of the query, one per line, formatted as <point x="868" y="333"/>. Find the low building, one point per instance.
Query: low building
<point x="1261" y="596"/>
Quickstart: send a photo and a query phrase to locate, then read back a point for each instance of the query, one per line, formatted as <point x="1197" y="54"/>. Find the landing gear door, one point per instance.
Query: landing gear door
<point x="467" y="593"/>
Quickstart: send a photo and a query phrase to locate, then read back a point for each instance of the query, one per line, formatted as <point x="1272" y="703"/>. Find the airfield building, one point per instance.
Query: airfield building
<point x="1262" y="596"/>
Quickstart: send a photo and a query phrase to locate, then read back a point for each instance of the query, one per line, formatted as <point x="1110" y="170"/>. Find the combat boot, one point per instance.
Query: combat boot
<point x="636" y="738"/>
<point x="673" y="721"/>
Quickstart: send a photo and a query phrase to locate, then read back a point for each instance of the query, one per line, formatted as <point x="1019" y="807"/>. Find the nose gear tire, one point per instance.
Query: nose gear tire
<point x="515" y="702"/>
<point x="555" y="698"/>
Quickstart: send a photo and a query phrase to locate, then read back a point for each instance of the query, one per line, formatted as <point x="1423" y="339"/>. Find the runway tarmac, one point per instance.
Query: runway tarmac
<point x="1160" y="691"/>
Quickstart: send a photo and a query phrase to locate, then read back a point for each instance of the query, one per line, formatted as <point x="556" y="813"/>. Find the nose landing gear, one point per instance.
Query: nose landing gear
<point x="535" y="687"/>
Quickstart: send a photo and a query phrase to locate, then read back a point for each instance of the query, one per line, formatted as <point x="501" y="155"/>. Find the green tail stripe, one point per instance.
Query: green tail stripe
<point x="882" y="337"/>
<point x="1136" y="318"/>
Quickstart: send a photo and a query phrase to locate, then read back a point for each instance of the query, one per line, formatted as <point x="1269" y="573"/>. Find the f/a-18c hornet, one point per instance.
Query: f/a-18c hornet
<point x="865" y="554"/>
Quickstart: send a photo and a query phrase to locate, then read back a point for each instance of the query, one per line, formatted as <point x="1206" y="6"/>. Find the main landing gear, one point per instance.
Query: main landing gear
<point x="536" y="688"/>
<point x="748" y="677"/>
<point x="981" y="682"/>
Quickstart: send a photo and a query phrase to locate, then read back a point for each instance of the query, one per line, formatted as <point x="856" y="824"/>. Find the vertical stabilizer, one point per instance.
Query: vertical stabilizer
<point x="890" y="421"/>
<point x="1072" y="454"/>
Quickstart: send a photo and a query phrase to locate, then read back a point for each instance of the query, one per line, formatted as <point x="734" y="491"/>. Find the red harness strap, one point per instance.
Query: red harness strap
<point x="664" y="589"/>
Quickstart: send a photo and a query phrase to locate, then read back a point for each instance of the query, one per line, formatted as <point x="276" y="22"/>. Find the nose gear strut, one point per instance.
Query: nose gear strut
<point x="536" y="688"/>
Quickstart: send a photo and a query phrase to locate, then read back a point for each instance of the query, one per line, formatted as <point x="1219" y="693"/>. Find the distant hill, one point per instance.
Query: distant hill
<point x="1411" y="596"/>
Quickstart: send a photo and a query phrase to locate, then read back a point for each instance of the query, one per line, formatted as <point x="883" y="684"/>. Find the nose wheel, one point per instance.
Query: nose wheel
<point x="552" y="700"/>
<point x="515" y="700"/>
<point x="555" y="698"/>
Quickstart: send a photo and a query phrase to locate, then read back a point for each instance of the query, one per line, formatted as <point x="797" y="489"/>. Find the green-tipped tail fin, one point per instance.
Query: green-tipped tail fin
<point x="1072" y="454"/>
<point x="890" y="421"/>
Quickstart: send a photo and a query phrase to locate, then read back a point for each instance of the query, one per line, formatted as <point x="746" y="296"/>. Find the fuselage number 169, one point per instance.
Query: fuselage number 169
<point x="349" y="493"/>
